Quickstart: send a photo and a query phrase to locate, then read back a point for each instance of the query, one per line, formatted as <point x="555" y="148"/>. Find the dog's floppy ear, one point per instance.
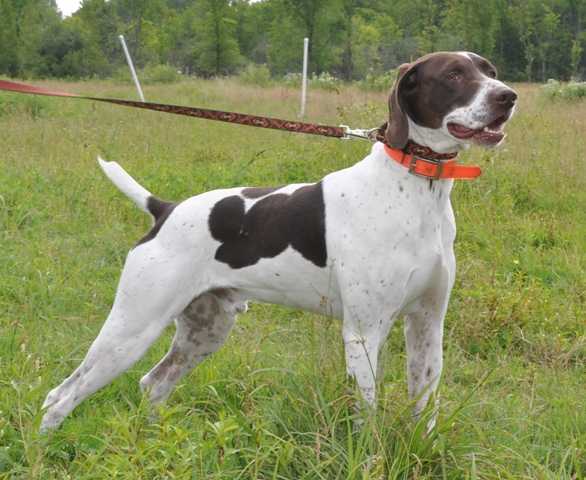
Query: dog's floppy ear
<point x="397" y="132"/>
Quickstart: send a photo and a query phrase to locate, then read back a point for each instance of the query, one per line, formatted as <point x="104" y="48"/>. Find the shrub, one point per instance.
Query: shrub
<point x="378" y="83"/>
<point x="292" y="80"/>
<point x="159" y="74"/>
<point x="148" y="75"/>
<point x="326" y="81"/>
<point x="255" y="74"/>
<point x="555" y="90"/>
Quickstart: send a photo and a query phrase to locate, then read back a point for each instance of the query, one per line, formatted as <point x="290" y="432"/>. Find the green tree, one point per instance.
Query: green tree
<point x="217" y="48"/>
<point x="527" y="39"/>
<point x="69" y="51"/>
<point x="36" y="19"/>
<point x="9" y="61"/>
<point x="141" y="26"/>
<point x="100" y="24"/>
<point x="476" y="24"/>
<point x="576" y="56"/>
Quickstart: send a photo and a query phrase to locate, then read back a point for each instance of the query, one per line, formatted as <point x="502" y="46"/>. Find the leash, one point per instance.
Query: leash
<point x="420" y="160"/>
<point x="342" y="131"/>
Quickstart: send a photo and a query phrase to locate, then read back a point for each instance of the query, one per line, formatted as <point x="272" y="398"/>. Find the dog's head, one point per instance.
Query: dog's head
<point x="447" y="100"/>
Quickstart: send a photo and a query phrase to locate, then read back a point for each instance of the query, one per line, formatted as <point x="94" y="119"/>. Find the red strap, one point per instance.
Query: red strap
<point x="219" y="115"/>
<point x="433" y="169"/>
<point x="24" y="88"/>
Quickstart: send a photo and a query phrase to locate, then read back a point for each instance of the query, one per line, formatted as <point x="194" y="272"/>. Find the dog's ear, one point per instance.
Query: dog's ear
<point x="397" y="132"/>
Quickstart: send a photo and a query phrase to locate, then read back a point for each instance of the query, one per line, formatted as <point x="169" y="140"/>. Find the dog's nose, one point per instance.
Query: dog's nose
<point x="505" y="97"/>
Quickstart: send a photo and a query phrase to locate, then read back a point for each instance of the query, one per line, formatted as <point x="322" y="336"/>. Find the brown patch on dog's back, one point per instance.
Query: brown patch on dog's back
<point x="257" y="192"/>
<point x="270" y="226"/>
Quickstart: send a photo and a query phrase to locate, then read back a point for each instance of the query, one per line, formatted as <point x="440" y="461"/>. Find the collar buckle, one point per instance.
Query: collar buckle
<point x="438" y="170"/>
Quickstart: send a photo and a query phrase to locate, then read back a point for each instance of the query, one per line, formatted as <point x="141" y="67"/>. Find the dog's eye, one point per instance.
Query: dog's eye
<point x="491" y="73"/>
<point x="455" y="75"/>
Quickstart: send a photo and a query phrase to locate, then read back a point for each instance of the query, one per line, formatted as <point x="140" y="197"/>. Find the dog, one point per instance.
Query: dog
<point x="366" y="244"/>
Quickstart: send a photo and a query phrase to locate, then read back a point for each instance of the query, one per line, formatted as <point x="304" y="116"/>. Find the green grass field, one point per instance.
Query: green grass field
<point x="274" y="403"/>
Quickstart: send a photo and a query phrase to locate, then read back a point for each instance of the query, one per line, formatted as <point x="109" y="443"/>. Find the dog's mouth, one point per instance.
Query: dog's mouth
<point x="489" y="135"/>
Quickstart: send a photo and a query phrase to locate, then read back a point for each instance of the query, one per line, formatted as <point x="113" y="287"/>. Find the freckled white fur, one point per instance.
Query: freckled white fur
<point x="389" y="239"/>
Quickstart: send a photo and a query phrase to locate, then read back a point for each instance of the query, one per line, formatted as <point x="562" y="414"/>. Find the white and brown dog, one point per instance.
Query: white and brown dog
<point x="366" y="244"/>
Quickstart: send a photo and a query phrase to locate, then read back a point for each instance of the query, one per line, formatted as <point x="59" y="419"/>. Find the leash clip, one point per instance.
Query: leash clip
<point x="362" y="133"/>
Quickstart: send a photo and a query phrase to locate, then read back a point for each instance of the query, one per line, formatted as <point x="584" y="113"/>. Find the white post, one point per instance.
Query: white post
<point x="304" y="80"/>
<point x="131" y="65"/>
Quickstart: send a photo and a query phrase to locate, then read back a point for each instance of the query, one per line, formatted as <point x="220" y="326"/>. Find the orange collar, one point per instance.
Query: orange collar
<point x="433" y="169"/>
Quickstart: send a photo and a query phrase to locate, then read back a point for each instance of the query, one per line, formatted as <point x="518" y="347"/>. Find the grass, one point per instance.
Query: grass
<point x="273" y="403"/>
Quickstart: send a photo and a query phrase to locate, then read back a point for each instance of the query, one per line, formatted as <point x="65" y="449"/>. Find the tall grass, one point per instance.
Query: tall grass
<point x="274" y="402"/>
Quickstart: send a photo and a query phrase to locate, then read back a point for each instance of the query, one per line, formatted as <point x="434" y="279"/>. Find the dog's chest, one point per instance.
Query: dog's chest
<point x="388" y="229"/>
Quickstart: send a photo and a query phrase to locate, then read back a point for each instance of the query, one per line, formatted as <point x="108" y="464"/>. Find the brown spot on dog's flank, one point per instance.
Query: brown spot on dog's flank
<point x="272" y="224"/>
<point x="160" y="210"/>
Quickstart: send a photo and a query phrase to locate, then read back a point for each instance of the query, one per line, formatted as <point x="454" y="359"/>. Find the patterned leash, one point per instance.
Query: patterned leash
<point x="342" y="131"/>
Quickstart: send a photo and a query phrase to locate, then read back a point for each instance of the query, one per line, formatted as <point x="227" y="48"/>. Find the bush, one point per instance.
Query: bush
<point x="326" y="81"/>
<point x="255" y="74"/>
<point x="159" y="74"/>
<point x="292" y="80"/>
<point x="149" y="75"/>
<point x="555" y="90"/>
<point x="378" y="83"/>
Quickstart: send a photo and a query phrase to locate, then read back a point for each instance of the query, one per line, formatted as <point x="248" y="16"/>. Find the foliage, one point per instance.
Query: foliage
<point x="218" y="52"/>
<point x="527" y="40"/>
<point x="253" y="74"/>
<point x="326" y="81"/>
<point x="292" y="80"/>
<point x="565" y="91"/>
<point x="378" y="83"/>
<point x="159" y="74"/>
<point x="151" y="74"/>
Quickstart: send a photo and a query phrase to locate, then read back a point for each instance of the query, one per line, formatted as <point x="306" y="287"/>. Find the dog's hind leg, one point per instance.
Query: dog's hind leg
<point x="201" y="329"/>
<point x="152" y="291"/>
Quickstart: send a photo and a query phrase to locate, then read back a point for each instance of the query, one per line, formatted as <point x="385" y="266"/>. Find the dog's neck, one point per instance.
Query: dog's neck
<point x="389" y="172"/>
<point x="433" y="138"/>
<point x="427" y="153"/>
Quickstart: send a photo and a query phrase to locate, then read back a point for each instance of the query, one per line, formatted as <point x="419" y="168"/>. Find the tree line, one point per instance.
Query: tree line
<point x="529" y="40"/>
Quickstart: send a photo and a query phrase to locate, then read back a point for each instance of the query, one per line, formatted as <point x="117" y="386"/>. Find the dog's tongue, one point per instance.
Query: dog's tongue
<point x="482" y="136"/>
<point x="488" y="137"/>
<point x="460" y="131"/>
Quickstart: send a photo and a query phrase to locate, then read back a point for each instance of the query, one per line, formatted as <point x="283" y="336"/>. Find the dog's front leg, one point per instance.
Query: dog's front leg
<point x="423" y="336"/>
<point x="364" y="333"/>
<point x="361" y="361"/>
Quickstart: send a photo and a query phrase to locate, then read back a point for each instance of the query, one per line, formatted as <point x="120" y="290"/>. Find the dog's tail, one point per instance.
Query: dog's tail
<point x="127" y="185"/>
